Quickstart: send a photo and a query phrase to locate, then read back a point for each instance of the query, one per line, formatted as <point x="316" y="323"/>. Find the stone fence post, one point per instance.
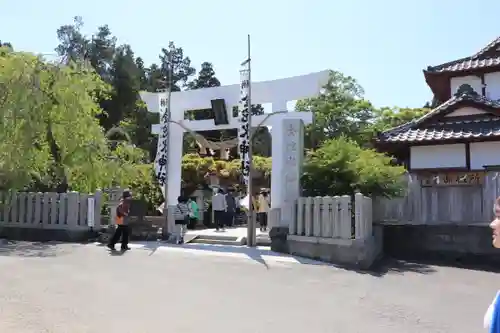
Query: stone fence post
<point x="114" y="200"/>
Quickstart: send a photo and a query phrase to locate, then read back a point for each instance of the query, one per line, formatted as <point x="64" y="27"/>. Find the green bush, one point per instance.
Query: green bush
<point x="340" y="166"/>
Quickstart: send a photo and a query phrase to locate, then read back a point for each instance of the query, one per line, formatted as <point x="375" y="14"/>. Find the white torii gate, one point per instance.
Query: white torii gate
<point x="277" y="92"/>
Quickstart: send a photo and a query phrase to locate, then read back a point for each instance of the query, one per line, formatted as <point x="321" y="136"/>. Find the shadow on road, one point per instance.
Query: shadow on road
<point x="256" y="254"/>
<point x="28" y="249"/>
<point x="394" y="266"/>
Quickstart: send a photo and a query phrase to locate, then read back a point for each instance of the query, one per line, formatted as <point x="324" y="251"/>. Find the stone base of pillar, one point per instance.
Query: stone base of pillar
<point x="278" y="237"/>
<point x="168" y="224"/>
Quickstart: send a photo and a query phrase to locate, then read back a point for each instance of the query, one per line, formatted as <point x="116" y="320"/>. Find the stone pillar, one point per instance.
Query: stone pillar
<point x="114" y="200"/>
<point x="45" y="209"/>
<point x="97" y="209"/>
<point x="274" y="217"/>
<point x="288" y="156"/>
<point x="168" y="223"/>
<point x="72" y="210"/>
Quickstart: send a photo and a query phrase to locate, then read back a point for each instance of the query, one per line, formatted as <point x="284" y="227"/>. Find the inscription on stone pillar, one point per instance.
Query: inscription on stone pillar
<point x="293" y="155"/>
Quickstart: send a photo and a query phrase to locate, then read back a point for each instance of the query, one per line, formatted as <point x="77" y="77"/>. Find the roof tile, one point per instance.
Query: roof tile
<point x="488" y="127"/>
<point x="449" y="129"/>
<point x="464" y="65"/>
<point x="475" y="61"/>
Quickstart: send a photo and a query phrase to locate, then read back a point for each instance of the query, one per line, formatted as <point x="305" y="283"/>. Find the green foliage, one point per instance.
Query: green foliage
<point x="339" y="110"/>
<point x="142" y="181"/>
<point x="340" y="166"/>
<point x="206" y="78"/>
<point x="40" y="140"/>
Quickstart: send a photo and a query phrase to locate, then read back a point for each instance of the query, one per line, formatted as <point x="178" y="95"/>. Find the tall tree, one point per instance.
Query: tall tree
<point x="73" y="45"/>
<point x="102" y="52"/>
<point x="339" y="110"/>
<point x="143" y="79"/>
<point x="127" y="112"/>
<point x="206" y="78"/>
<point x="125" y="79"/>
<point x="173" y="61"/>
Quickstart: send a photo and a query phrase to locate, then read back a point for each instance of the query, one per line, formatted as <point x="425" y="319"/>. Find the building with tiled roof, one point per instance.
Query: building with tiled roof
<point x="462" y="134"/>
<point x="452" y="155"/>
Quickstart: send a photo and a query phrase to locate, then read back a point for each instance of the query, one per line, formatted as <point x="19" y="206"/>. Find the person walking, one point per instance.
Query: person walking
<point x="121" y="221"/>
<point x="264" y="205"/>
<point x="181" y="216"/>
<point x="219" y="207"/>
<point x="193" y="213"/>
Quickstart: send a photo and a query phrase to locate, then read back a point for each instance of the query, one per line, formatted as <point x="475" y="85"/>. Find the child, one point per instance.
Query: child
<point x="181" y="216"/>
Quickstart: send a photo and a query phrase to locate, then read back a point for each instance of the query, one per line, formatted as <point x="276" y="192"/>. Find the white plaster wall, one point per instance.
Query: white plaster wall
<point x="492" y="81"/>
<point x="473" y="81"/>
<point x="484" y="153"/>
<point x="441" y="156"/>
<point x="466" y="111"/>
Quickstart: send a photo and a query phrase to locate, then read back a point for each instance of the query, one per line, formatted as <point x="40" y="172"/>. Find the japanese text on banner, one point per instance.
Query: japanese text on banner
<point x="244" y="123"/>
<point x="161" y="160"/>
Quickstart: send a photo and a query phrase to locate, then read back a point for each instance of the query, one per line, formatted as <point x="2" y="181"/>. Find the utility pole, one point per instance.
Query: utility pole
<point x="167" y="118"/>
<point x="251" y="237"/>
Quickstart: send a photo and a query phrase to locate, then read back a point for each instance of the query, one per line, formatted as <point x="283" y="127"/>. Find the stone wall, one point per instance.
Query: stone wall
<point x="443" y="243"/>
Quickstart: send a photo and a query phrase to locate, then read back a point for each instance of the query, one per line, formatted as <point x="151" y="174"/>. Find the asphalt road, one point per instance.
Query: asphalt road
<point x="82" y="288"/>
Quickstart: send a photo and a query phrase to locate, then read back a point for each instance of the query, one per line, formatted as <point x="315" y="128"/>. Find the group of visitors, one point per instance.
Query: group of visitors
<point x="225" y="207"/>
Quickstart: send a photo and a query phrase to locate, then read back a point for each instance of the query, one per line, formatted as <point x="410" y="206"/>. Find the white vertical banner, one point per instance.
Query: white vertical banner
<point x="244" y="123"/>
<point x="161" y="160"/>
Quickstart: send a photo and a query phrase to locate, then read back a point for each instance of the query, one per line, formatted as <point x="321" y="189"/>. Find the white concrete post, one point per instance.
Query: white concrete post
<point x="317" y="223"/>
<point x="73" y="210"/>
<point x="345" y="217"/>
<point x="22" y="208"/>
<point x="308" y="217"/>
<point x="326" y="217"/>
<point x="62" y="219"/>
<point x="37" y="219"/>
<point x="14" y="211"/>
<point x="300" y="217"/>
<point x="53" y="197"/>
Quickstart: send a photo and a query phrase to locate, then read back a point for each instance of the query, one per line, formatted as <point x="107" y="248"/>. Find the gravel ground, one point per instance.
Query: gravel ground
<point x="71" y="288"/>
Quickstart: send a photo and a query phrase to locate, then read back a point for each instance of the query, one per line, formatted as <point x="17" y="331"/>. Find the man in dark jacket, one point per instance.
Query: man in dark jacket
<point x="122" y="229"/>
